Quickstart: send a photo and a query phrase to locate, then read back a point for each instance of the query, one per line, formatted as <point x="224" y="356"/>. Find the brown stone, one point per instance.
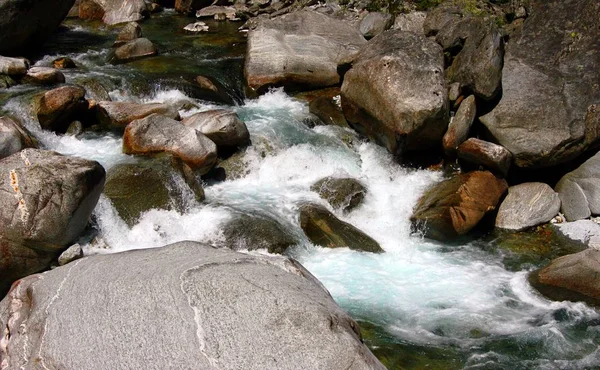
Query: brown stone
<point x="460" y="125"/>
<point x="59" y="107"/>
<point x="483" y="153"/>
<point x="90" y="10"/>
<point x="120" y="114"/>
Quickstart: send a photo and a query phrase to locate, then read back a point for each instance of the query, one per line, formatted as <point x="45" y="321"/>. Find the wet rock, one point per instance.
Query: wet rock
<point x="222" y="126"/>
<point x="527" y="205"/>
<point x="375" y="23"/>
<point x="122" y="11"/>
<point x="63" y="63"/>
<point x="26" y="25"/>
<point x="46" y="200"/>
<point x="211" y="11"/>
<point x="328" y="111"/>
<point x="59" y="107"/>
<point x="157" y="133"/>
<point x="478" y="64"/>
<point x="587" y="232"/>
<point x="94" y="88"/>
<point x="73" y="253"/>
<point x="212" y="90"/>
<point x="460" y="125"/>
<point x="7" y="82"/>
<point x="410" y="22"/>
<point x="190" y="6"/>
<point x="196" y="27"/>
<point x="342" y="193"/>
<point x="131" y="31"/>
<point x="575" y="277"/>
<point x="483" y="153"/>
<point x="456" y="205"/>
<point x="44" y="76"/>
<point x="324" y="229"/>
<point x="75" y="128"/>
<point x="579" y="190"/>
<point x="300" y="50"/>
<point x="548" y="113"/>
<point x="90" y="10"/>
<point x="13" y="137"/>
<point x="120" y="114"/>
<point x="133" y="50"/>
<point x="13" y="66"/>
<point x="236" y="166"/>
<point x="395" y="92"/>
<point x="249" y="311"/>
<point x="252" y="232"/>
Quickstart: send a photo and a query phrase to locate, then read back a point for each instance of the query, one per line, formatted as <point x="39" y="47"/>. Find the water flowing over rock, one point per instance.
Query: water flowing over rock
<point x="575" y="277"/>
<point x="460" y="125"/>
<point x="46" y="200"/>
<point x="120" y="114"/>
<point x="27" y="24"/>
<point x="492" y="156"/>
<point x="213" y="308"/>
<point x="252" y="232"/>
<point x="133" y="50"/>
<point x="579" y="190"/>
<point x="343" y="193"/>
<point x="59" y="107"/>
<point x="549" y="111"/>
<point x="328" y="111"/>
<point x="395" y="92"/>
<point x="527" y="205"/>
<point x="13" y="137"/>
<point x="222" y="126"/>
<point x="456" y="205"/>
<point x="158" y="134"/>
<point x="300" y="50"/>
<point x="375" y="23"/>
<point x="326" y="230"/>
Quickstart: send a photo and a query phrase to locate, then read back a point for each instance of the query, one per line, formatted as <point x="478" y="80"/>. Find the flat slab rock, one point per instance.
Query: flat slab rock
<point x="183" y="306"/>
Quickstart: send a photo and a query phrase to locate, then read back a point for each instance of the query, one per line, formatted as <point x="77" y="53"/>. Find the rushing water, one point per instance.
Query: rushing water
<point x="421" y="304"/>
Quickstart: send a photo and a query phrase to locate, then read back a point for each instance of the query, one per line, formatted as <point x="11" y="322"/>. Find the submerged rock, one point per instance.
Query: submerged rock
<point x="59" y="107"/>
<point x="157" y="133"/>
<point x="252" y="232"/>
<point x="213" y="308"/>
<point x="133" y="50"/>
<point x="300" y="50"/>
<point x="13" y="137"/>
<point x="483" y="153"/>
<point x="120" y="114"/>
<point x="27" y="24"/>
<point x="46" y="200"/>
<point x="196" y="27"/>
<point x="456" y="205"/>
<point x="343" y="193"/>
<point x="579" y="190"/>
<point x="324" y="229"/>
<point x="460" y="125"/>
<point x="222" y="126"/>
<point x="44" y="76"/>
<point x="527" y="205"/>
<point x="395" y="92"/>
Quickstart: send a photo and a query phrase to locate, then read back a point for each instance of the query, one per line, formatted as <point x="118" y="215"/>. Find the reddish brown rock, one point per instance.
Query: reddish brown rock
<point x="44" y="76"/>
<point x="483" y="153"/>
<point x="120" y="114"/>
<point x="90" y="10"/>
<point x="59" y="107"/>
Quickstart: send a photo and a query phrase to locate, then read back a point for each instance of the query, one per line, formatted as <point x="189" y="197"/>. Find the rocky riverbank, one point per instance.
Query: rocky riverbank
<point x="495" y="103"/>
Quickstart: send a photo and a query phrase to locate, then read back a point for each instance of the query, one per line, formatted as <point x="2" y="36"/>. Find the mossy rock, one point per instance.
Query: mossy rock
<point x="253" y="232"/>
<point x="341" y="193"/>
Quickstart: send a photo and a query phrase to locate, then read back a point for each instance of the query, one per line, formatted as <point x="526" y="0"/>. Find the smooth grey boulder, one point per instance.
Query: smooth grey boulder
<point x="46" y="200"/>
<point x="13" y="66"/>
<point x="395" y="92"/>
<point x="257" y="231"/>
<point x="300" y="50"/>
<point x="27" y="24"/>
<point x="579" y="190"/>
<point x="549" y="111"/>
<point x="460" y="125"/>
<point x="375" y="23"/>
<point x="527" y="205"/>
<point x="120" y="114"/>
<point x="13" y="137"/>
<point x="223" y="127"/>
<point x="584" y="231"/>
<point x="160" y="134"/>
<point x="185" y="306"/>
<point x="133" y="50"/>
<point x="411" y="22"/>
<point x="492" y="156"/>
<point x="121" y="11"/>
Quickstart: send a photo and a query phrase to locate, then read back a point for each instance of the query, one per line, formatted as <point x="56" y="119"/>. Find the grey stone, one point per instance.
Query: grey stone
<point x="527" y="205"/>
<point x="584" y="231"/>
<point x="72" y="253"/>
<point x="411" y="22"/>
<point x="460" y="125"/>
<point x="13" y="66"/>
<point x="483" y="153"/>
<point x="454" y="92"/>
<point x="129" y="32"/>
<point x="222" y="126"/>
<point x="342" y="193"/>
<point x="395" y="92"/>
<point x="579" y="190"/>
<point x="549" y="110"/>
<point x="133" y="50"/>
<point x="120" y="114"/>
<point x="299" y="50"/>
<point x="44" y="76"/>
<point x="375" y="23"/>
<point x="13" y="137"/>
<point x="183" y="306"/>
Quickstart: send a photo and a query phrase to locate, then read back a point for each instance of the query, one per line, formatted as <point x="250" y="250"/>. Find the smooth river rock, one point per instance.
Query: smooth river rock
<point x="527" y="205"/>
<point x="182" y="306"/>
<point x="222" y="126"/>
<point x="13" y="137"/>
<point x="44" y="76"/>
<point x="579" y="190"/>
<point x="494" y="157"/>
<point x="133" y="50"/>
<point x="395" y="92"/>
<point x="13" y="66"/>
<point x="586" y="232"/>
<point x="59" y="107"/>
<point x="256" y="231"/>
<point x="120" y="114"/>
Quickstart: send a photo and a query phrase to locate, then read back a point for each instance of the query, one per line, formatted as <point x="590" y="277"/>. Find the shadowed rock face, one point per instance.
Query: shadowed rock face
<point x="13" y="137"/>
<point x="483" y="153"/>
<point x="27" y="24"/>
<point x="579" y="189"/>
<point x="185" y="306"/>
<point x="59" y="107"/>
<point x="395" y="92"/>
<point x="549" y="111"/>
<point x="299" y="50"/>
<point x="120" y="114"/>
<point x="223" y="127"/>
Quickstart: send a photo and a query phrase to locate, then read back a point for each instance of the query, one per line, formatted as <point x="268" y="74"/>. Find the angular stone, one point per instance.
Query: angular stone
<point x="63" y="63"/>
<point x="375" y="23"/>
<point x="579" y="190"/>
<point x="59" y="107"/>
<point x="328" y="111"/>
<point x="483" y="153"/>
<point x="527" y="205"/>
<point x="72" y="253"/>
<point x="44" y="76"/>
<point x="90" y="10"/>
<point x="190" y="6"/>
<point x="120" y="114"/>
<point x="122" y="11"/>
<point x="343" y="193"/>
<point x="222" y="126"/>
<point x="460" y="125"/>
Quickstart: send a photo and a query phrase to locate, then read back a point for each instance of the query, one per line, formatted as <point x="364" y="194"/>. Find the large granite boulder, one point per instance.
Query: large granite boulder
<point x="222" y="126"/>
<point x="256" y="231"/>
<point x="300" y="50"/>
<point x="456" y="205"/>
<point x="342" y="193"/>
<point x="527" y="205"/>
<point x="122" y="11"/>
<point x="46" y="200"/>
<point x="395" y="92"/>
<point x="133" y="50"/>
<point x="27" y="24"/>
<point x="161" y="134"/>
<point x="574" y="277"/>
<point x="549" y="111"/>
<point x="57" y="108"/>
<point x="324" y="229"/>
<point x="120" y="114"/>
<point x="184" y="306"/>
<point x="476" y="152"/>
<point x="579" y="190"/>
<point x="13" y="137"/>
